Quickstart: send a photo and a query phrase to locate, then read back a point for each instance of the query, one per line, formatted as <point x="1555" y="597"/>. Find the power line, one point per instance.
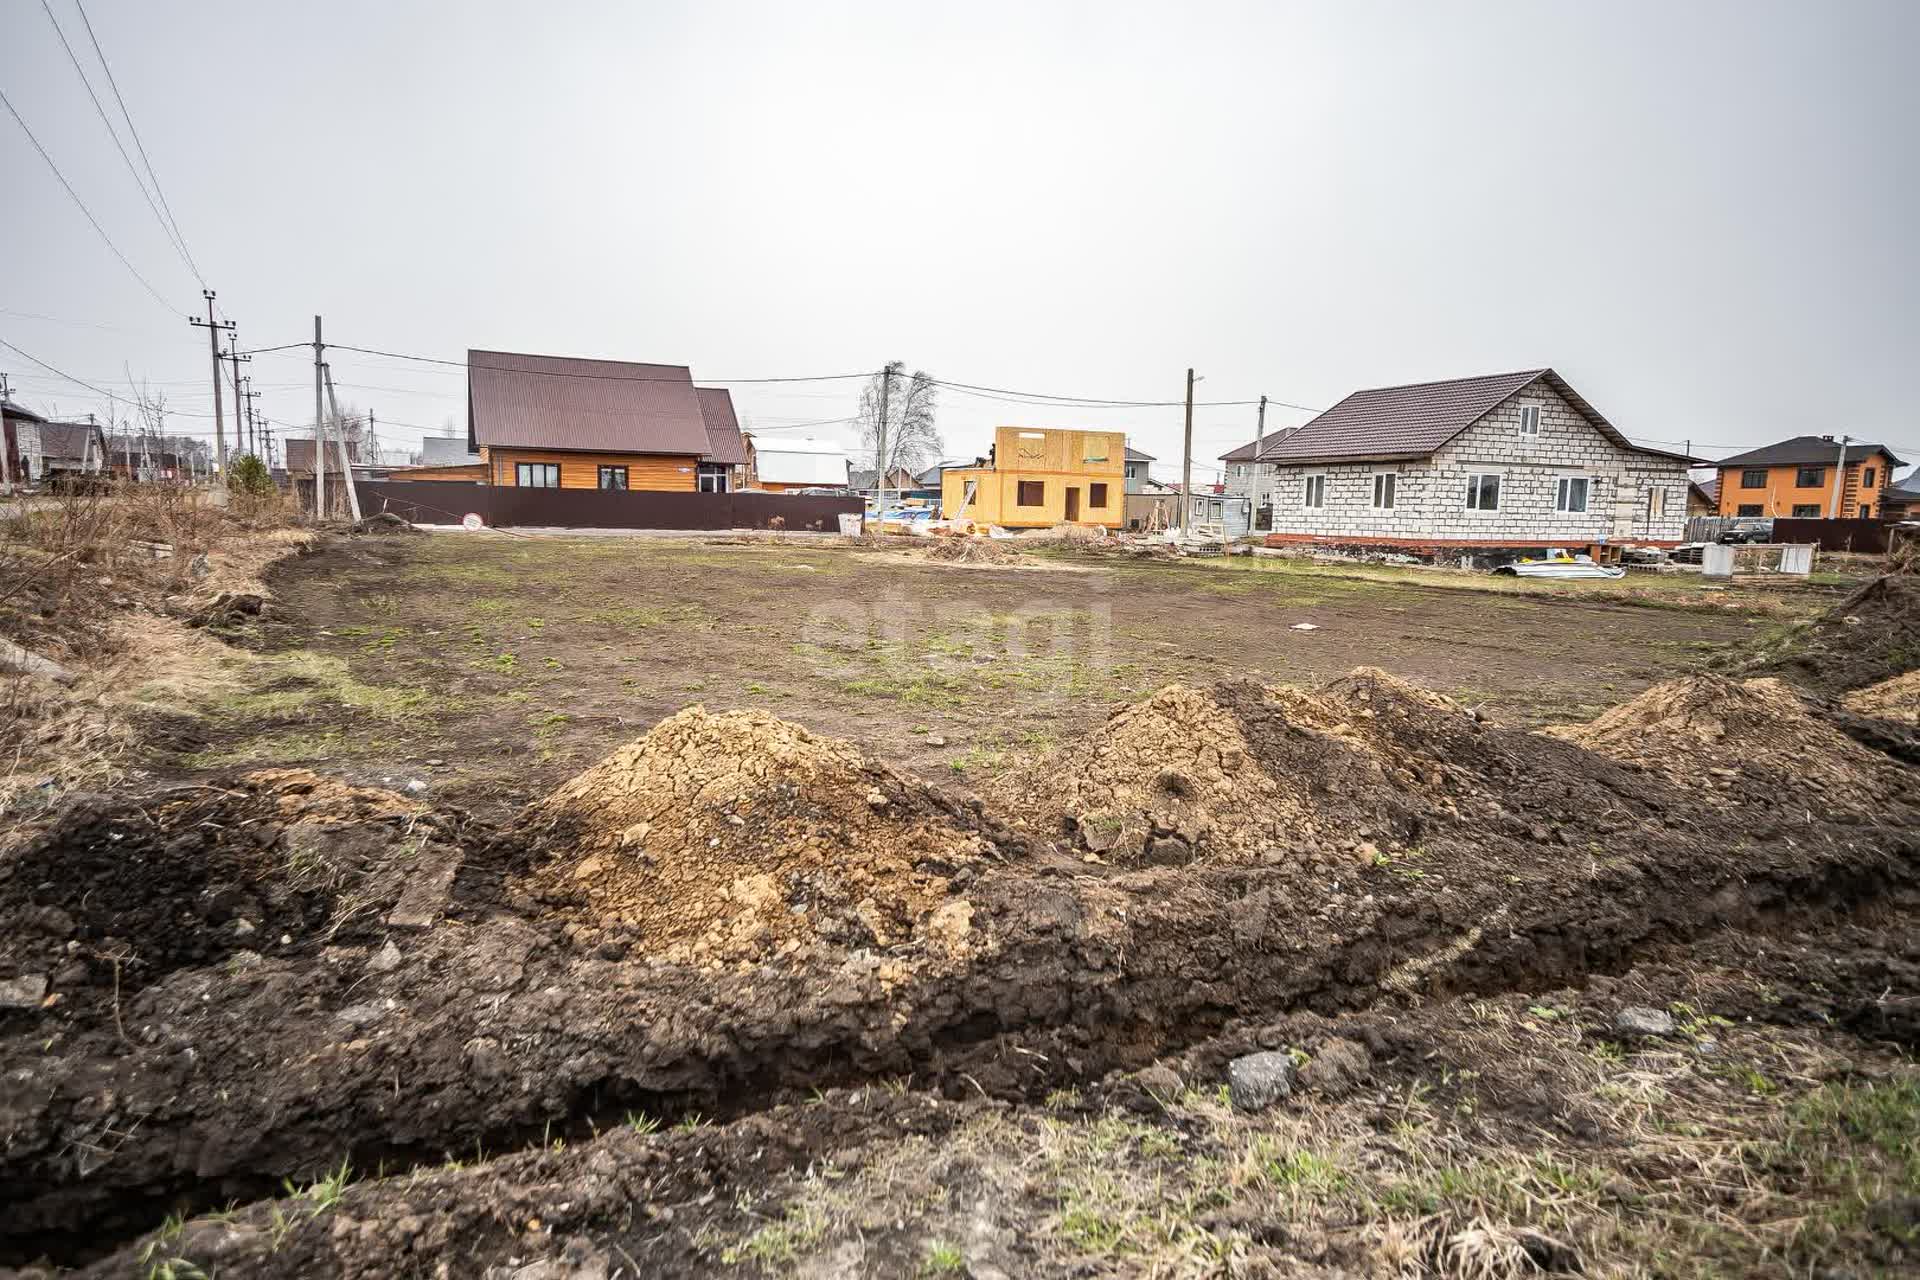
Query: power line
<point x="113" y="133"/>
<point x="603" y="377"/>
<point x="5" y="101"/>
<point x="113" y="84"/>
<point x="78" y="382"/>
<point x="285" y="346"/>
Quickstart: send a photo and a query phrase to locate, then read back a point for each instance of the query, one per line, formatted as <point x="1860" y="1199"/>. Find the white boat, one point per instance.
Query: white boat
<point x="1558" y="564"/>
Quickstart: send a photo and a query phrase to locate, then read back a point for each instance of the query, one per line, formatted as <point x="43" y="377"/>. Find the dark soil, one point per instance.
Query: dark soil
<point x="218" y="1071"/>
<point x="1868" y="637"/>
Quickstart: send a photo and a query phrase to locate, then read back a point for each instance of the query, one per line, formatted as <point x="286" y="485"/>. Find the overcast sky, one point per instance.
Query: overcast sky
<point x="1701" y="214"/>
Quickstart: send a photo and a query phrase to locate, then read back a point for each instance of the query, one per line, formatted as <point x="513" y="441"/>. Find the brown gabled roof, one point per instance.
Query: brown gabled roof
<point x="300" y="455"/>
<point x="1806" y="451"/>
<point x="603" y="406"/>
<point x="1419" y="418"/>
<point x="724" y="444"/>
<point x="69" y="440"/>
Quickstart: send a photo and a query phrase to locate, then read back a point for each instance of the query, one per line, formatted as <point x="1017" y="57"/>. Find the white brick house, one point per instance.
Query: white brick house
<point x="1513" y="460"/>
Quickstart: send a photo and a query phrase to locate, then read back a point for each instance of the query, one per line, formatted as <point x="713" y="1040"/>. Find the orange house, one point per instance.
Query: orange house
<point x="1796" y="478"/>
<point x="556" y="422"/>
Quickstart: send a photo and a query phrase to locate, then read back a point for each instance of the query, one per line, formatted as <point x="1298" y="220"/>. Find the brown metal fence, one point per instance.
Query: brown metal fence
<point x="449" y="501"/>
<point x="1869" y="536"/>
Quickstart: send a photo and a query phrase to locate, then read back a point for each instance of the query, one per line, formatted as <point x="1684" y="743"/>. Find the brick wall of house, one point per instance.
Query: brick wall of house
<point x="1430" y="494"/>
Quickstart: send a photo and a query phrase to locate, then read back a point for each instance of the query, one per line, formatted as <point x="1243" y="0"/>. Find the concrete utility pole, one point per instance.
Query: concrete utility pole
<point x="880" y="446"/>
<point x="346" y="464"/>
<point x="6" y="458"/>
<point x="1186" y="463"/>
<point x="213" y="328"/>
<point x="1259" y="443"/>
<point x="319" y="427"/>
<point x="239" y="397"/>
<point x="1839" y="474"/>
<point x="253" y="423"/>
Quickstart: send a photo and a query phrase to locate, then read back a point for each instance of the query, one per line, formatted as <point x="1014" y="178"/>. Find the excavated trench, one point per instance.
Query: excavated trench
<point x="186" y="1062"/>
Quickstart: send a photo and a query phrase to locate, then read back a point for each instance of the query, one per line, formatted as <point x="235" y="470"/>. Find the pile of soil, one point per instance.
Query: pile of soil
<point x="1243" y="771"/>
<point x="972" y="551"/>
<point x="1897" y="699"/>
<point x="738" y="836"/>
<point x="1869" y="637"/>
<point x="1733" y="739"/>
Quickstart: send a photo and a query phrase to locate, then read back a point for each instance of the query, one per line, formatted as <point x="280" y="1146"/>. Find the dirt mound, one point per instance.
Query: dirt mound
<point x="1727" y="736"/>
<point x="1869" y="637"/>
<point x="1897" y="699"/>
<point x="118" y="893"/>
<point x="1227" y="773"/>
<point x="738" y="836"/>
<point x="973" y="551"/>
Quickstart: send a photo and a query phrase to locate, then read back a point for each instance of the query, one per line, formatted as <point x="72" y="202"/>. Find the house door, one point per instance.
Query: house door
<point x="1073" y="504"/>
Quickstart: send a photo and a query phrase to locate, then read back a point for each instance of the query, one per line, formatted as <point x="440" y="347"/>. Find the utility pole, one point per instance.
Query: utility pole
<point x="1839" y="474"/>
<point x="253" y="422"/>
<point x="319" y="428"/>
<point x="880" y="446"/>
<point x="346" y="464"/>
<point x="239" y="397"/>
<point x="1186" y="462"/>
<point x="213" y="328"/>
<point x="6" y="459"/>
<point x="1259" y="443"/>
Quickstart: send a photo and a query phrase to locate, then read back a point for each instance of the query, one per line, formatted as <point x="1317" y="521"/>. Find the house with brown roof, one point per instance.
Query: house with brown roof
<point x="559" y="422"/>
<point x="1503" y="462"/>
<point x="38" y="450"/>
<point x="1796" y="478"/>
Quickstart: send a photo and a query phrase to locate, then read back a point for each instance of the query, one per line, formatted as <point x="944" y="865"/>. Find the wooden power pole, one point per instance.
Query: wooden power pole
<point x="319" y="427"/>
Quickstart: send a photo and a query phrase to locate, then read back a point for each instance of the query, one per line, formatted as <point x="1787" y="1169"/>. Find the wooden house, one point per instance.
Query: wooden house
<point x="1037" y="478"/>
<point x="558" y="422"/>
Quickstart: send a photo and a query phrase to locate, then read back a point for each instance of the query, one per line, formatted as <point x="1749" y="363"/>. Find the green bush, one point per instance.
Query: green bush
<point x="249" y="475"/>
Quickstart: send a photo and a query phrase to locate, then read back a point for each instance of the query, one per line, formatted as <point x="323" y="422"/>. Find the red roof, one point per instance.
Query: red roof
<point x="601" y="406"/>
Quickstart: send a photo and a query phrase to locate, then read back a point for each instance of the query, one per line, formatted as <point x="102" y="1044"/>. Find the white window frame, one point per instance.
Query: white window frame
<point x="1313" y="491"/>
<point x="1562" y="493"/>
<point x="1530" y="413"/>
<point x="1392" y="487"/>
<point x="1473" y="485"/>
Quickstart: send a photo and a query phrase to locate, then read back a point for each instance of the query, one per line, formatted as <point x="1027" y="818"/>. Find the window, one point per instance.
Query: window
<point x="1866" y="477"/>
<point x="537" y="475"/>
<point x="1806" y="511"/>
<point x="1094" y="449"/>
<point x="1811" y="477"/>
<point x="1384" y="483"/>
<point x="1656" y="502"/>
<point x="1314" y="494"/>
<point x="1866" y="511"/>
<point x="1096" y="495"/>
<point x="1754" y="478"/>
<point x="1529" y="419"/>
<point x="713" y="477"/>
<point x="613" y="477"/>
<point x="1570" y="493"/>
<point x="1747" y="509"/>
<point x="1032" y="493"/>
<point x="1483" y="491"/>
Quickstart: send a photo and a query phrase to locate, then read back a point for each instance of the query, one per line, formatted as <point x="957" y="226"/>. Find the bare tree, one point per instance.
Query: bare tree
<point x="896" y="421"/>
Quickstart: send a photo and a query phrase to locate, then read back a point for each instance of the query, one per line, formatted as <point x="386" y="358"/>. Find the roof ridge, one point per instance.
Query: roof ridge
<point x="1447" y="382"/>
<point x="537" y="355"/>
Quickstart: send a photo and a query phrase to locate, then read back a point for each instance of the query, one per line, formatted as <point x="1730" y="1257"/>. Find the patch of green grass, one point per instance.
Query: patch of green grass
<point x="639" y="617"/>
<point x="943" y="1259"/>
<point x="301" y="680"/>
<point x="780" y="1244"/>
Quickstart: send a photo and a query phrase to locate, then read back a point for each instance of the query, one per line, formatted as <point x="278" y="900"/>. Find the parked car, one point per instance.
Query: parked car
<point x="1742" y="531"/>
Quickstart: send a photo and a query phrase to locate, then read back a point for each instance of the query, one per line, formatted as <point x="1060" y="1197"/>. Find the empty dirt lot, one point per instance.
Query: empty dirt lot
<point x="516" y="661"/>
<point x="1069" y="917"/>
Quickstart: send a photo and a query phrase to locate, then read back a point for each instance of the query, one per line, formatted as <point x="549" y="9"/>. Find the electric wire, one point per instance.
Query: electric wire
<point x="95" y="222"/>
